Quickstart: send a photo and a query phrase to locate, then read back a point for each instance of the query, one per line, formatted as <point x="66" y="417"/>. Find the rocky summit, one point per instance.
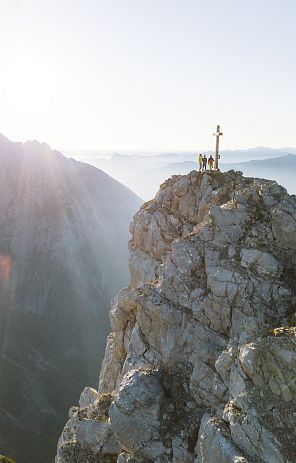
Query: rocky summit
<point x="200" y="366"/>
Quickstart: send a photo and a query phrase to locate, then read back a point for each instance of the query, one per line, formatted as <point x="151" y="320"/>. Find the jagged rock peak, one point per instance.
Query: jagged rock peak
<point x="200" y="366"/>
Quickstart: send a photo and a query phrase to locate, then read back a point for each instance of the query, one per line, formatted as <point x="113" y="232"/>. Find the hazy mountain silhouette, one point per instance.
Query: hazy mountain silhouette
<point x="282" y="169"/>
<point x="63" y="255"/>
<point x="143" y="173"/>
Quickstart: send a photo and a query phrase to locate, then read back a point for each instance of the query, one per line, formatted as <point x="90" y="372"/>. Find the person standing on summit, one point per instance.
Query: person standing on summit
<point x="204" y="163"/>
<point x="211" y="162"/>
<point x="200" y="162"/>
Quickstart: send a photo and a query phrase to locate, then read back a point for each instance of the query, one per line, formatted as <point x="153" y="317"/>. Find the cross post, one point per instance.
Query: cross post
<point x="217" y="135"/>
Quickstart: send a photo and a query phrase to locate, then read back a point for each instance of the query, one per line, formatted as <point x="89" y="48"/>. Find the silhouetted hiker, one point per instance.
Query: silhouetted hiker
<point x="204" y="162"/>
<point x="200" y="162"/>
<point x="211" y="162"/>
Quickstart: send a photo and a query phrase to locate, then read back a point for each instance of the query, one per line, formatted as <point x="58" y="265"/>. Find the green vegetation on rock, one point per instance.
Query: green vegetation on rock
<point x="6" y="460"/>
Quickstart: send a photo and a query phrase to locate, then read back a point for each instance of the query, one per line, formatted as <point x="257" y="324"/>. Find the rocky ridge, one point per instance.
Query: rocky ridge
<point x="200" y="366"/>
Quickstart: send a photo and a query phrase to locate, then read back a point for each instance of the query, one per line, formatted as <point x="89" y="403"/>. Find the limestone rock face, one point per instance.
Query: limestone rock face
<point x="135" y="413"/>
<point x="200" y="366"/>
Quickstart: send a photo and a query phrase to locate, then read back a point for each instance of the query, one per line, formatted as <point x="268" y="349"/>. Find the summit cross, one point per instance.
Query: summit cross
<point x="217" y="134"/>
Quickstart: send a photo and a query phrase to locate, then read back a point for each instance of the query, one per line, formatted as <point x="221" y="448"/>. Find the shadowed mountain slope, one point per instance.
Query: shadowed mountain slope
<point x="63" y="255"/>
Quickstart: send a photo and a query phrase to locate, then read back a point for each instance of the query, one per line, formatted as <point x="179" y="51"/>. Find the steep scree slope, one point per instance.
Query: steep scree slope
<point x="63" y="254"/>
<point x="199" y="367"/>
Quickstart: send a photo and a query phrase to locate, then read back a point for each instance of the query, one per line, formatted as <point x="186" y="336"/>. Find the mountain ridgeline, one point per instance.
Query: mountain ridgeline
<point x="143" y="173"/>
<point x="63" y="255"/>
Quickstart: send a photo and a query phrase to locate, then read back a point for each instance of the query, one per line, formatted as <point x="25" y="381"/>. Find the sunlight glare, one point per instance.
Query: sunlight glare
<point x="5" y="267"/>
<point x="29" y="83"/>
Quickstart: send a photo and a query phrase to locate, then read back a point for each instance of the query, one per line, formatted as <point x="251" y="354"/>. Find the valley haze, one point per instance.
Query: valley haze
<point x="143" y="172"/>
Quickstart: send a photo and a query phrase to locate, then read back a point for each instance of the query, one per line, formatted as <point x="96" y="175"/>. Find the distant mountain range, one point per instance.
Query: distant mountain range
<point x="260" y="152"/>
<point x="275" y="162"/>
<point x="63" y="255"/>
<point x="143" y="173"/>
<point x="282" y="169"/>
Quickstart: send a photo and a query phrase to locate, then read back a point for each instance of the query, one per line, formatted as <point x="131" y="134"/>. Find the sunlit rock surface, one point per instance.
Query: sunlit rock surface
<point x="63" y="255"/>
<point x="200" y="366"/>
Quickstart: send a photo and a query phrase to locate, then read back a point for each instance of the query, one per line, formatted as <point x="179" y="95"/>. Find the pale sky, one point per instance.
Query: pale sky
<point x="148" y="74"/>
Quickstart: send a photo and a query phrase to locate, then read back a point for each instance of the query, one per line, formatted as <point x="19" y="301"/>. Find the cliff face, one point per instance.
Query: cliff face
<point x="63" y="255"/>
<point x="201" y="362"/>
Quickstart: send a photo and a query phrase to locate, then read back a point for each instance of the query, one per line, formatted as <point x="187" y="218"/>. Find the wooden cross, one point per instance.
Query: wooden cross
<point x="218" y="134"/>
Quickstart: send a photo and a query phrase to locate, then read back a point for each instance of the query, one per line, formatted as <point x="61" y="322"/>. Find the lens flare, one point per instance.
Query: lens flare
<point x="5" y="267"/>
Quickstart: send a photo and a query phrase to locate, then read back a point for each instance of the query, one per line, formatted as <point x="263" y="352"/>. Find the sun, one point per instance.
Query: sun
<point x="31" y="90"/>
<point x="29" y="83"/>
